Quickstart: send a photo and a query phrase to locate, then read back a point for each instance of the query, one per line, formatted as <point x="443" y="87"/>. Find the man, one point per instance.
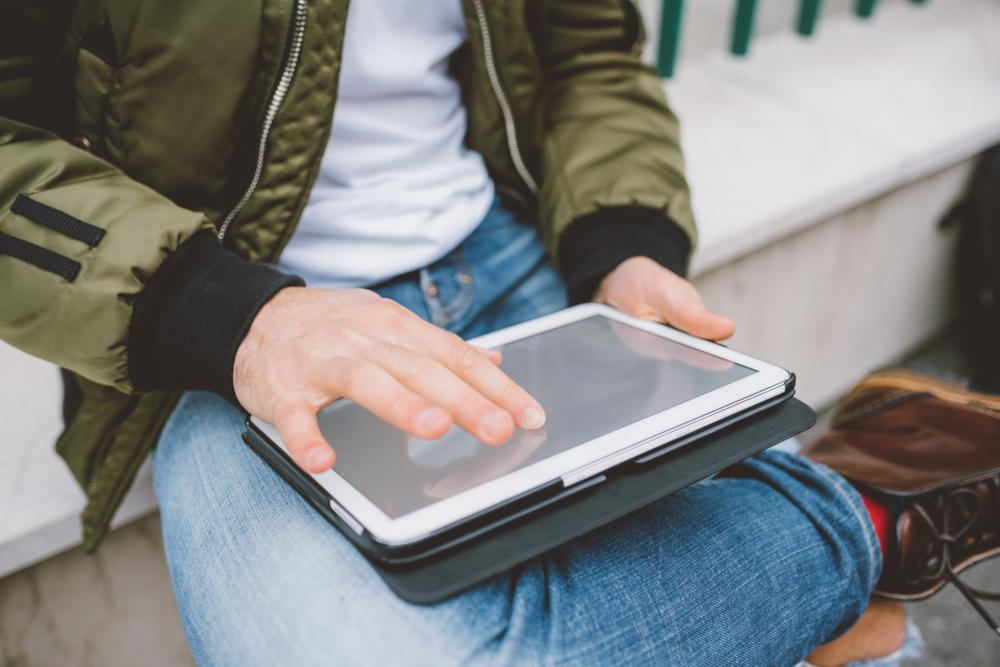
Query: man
<point x="409" y="148"/>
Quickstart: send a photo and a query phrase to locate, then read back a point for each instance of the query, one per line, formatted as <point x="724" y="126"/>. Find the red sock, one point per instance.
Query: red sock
<point x="881" y="518"/>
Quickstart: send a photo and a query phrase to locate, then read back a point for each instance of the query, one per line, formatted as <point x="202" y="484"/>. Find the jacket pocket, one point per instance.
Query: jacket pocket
<point x="100" y="41"/>
<point x="94" y="81"/>
<point x="89" y="433"/>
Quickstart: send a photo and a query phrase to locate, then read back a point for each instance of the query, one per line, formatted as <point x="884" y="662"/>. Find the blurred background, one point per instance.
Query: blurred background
<point x="825" y="140"/>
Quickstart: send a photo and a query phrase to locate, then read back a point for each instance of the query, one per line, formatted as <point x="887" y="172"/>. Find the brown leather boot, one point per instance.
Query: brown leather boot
<point x="932" y="449"/>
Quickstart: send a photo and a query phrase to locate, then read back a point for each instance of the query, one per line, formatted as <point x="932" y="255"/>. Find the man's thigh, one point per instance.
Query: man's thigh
<point x="260" y="578"/>
<point x="756" y="569"/>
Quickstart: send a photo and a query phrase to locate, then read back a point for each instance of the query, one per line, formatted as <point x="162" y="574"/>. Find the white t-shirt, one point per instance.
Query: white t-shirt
<point x="397" y="188"/>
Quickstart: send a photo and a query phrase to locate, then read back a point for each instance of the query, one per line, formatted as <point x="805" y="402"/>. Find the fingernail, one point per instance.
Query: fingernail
<point x="316" y="459"/>
<point x="533" y="417"/>
<point x="431" y="419"/>
<point x="495" y="425"/>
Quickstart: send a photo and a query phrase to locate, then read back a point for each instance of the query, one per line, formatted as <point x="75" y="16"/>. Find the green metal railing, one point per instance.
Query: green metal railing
<point x="744" y="15"/>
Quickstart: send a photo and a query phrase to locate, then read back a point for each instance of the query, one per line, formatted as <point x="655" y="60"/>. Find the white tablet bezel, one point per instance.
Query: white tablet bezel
<point x="573" y="465"/>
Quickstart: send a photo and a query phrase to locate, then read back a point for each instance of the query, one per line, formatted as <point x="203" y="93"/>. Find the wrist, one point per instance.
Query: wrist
<point x="193" y="315"/>
<point x="637" y="263"/>
<point x="596" y="244"/>
<point x="248" y="352"/>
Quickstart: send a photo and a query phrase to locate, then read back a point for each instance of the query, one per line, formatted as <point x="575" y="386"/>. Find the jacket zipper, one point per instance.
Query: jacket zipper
<point x="95" y="465"/>
<point x="98" y="462"/>
<point x="280" y="92"/>
<point x="277" y="98"/>
<point x="288" y="74"/>
<point x="505" y="110"/>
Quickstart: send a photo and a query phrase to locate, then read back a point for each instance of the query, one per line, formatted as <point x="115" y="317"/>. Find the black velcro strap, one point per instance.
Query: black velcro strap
<point x="38" y="256"/>
<point x="56" y="220"/>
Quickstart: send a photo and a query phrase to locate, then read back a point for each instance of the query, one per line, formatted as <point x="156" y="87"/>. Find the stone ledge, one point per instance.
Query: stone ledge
<point x="39" y="500"/>
<point x="805" y="129"/>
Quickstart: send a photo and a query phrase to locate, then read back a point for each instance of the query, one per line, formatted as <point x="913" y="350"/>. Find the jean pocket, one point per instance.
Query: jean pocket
<point x="449" y="291"/>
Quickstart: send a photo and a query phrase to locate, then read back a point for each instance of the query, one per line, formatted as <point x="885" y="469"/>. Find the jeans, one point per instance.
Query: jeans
<point x="756" y="568"/>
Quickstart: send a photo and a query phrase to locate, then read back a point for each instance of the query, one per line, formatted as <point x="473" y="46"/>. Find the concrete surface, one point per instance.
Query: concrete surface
<point x="114" y="609"/>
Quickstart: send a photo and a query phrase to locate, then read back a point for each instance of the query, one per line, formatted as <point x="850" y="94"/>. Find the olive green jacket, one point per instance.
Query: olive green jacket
<point x="126" y="128"/>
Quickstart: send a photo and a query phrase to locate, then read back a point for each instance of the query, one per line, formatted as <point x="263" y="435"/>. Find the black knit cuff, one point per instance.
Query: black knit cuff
<point x="193" y="314"/>
<point x="595" y="244"/>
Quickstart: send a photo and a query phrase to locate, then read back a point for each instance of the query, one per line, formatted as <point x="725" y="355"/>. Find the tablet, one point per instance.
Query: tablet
<point x="613" y="388"/>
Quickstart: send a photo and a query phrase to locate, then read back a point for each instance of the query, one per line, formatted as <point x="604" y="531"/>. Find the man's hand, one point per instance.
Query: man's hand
<point x="642" y="288"/>
<point x="308" y="347"/>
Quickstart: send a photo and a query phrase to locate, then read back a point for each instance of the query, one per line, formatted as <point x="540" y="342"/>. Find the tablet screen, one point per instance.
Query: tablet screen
<point x="592" y="376"/>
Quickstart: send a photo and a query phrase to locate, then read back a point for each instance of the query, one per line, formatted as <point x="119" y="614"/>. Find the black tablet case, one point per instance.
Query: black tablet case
<point x="445" y="570"/>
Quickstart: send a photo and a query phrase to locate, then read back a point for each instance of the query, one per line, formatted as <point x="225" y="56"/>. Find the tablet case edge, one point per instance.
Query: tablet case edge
<point x="418" y="578"/>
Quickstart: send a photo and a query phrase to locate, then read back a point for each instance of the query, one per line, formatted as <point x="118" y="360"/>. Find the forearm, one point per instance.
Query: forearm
<point x="613" y="183"/>
<point x="74" y="307"/>
<point x="594" y="245"/>
<point x="194" y="313"/>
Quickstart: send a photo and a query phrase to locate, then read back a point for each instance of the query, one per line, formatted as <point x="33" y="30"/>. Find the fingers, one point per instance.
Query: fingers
<point x="493" y="355"/>
<point x="369" y="386"/>
<point x="475" y="413"/>
<point x="375" y="389"/>
<point x="474" y="368"/>
<point x="333" y="349"/>
<point x="300" y="432"/>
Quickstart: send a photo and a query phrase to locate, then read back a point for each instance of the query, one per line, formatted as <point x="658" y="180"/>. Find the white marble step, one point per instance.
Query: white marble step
<point x="39" y="500"/>
<point x="819" y="168"/>
<point x="804" y="129"/>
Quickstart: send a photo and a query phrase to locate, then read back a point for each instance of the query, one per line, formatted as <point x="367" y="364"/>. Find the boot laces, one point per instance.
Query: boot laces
<point x="957" y="511"/>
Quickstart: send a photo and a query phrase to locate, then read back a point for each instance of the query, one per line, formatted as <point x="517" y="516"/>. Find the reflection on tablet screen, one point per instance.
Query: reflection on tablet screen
<point x="588" y="381"/>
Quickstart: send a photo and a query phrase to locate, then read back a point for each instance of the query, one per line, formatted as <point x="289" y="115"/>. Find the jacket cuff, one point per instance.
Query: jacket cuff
<point x="595" y="244"/>
<point x="193" y="315"/>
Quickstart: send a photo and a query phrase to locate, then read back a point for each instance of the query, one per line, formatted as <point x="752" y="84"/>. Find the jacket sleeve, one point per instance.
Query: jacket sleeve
<point x="612" y="183"/>
<point x="99" y="274"/>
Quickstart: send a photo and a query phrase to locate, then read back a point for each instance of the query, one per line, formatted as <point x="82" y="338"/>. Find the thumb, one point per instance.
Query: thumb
<point x="684" y="309"/>
<point x="697" y="320"/>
